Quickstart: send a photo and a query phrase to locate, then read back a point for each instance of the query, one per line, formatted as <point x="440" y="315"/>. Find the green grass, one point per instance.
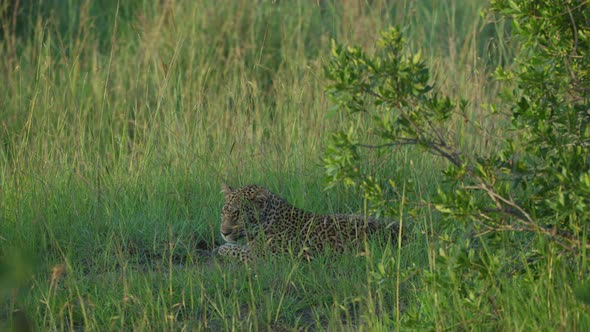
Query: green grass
<point x="119" y="123"/>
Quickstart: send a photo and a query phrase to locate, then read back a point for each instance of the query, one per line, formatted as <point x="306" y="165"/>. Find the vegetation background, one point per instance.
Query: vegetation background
<point x="120" y="120"/>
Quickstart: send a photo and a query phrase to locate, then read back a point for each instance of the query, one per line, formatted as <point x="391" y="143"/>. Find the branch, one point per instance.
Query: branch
<point x="566" y="241"/>
<point x="563" y="238"/>
<point x="398" y="141"/>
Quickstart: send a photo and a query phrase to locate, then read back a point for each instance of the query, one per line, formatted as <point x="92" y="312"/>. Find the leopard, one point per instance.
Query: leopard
<point x="255" y="222"/>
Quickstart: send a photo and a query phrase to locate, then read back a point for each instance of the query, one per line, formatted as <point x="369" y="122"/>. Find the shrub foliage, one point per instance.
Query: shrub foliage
<point x="536" y="179"/>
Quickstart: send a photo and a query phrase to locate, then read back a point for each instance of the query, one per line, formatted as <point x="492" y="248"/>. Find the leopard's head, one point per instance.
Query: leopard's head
<point x="241" y="213"/>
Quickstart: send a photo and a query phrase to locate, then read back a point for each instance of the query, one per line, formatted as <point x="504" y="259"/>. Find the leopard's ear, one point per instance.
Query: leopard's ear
<point x="226" y="190"/>
<point x="260" y="197"/>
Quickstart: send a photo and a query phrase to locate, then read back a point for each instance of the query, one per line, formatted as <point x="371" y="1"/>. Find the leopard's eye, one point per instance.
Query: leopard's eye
<point x="229" y="210"/>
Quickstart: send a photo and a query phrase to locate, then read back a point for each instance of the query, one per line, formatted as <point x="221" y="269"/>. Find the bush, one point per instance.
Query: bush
<point x="537" y="179"/>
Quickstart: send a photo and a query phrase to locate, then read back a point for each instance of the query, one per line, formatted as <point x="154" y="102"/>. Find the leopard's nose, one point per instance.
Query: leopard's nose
<point x="225" y="233"/>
